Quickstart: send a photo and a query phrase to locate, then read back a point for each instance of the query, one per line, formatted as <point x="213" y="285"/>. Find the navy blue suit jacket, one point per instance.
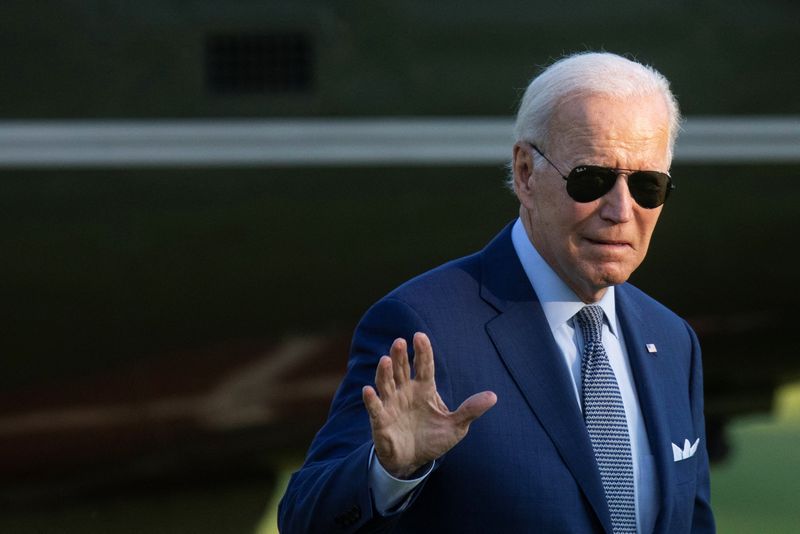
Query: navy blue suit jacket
<point x="527" y="464"/>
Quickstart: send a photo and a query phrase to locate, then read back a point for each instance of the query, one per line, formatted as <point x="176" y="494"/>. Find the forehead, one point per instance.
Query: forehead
<point x="631" y="133"/>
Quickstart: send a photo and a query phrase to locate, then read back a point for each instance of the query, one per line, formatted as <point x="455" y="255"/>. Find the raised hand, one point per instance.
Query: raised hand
<point x="411" y="426"/>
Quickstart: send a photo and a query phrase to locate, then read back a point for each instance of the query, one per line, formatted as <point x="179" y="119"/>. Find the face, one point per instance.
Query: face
<point x="596" y="244"/>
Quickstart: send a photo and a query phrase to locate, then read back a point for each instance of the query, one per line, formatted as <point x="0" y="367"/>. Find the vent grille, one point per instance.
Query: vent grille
<point x="259" y="63"/>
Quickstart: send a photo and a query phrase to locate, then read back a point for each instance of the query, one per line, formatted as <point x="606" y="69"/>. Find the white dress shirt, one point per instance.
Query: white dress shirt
<point x="560" y="304"/>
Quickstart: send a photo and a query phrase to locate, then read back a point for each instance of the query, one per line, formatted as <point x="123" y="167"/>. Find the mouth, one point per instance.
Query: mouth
<point x="608" y="243"/>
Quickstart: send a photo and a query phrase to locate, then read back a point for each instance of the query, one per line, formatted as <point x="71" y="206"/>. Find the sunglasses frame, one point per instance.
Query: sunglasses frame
<point x="670" y="186"/>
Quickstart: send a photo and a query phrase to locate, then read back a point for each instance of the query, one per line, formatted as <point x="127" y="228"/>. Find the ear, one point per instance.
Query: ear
<point x="523" y="170"/>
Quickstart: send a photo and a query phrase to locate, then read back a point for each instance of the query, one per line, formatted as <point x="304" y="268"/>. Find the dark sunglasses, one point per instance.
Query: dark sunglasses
<point x="586" y="183"/>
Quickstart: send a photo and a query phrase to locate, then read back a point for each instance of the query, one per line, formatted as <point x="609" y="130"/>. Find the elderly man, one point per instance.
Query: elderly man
<point x="588" y="415"/>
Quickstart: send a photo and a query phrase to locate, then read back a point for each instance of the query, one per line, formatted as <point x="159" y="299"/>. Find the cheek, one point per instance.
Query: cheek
<point x="578" y="219"/>
<point x="563" y="223"/>
<point x="645" y="232"/>
<point x="646" y="226"/>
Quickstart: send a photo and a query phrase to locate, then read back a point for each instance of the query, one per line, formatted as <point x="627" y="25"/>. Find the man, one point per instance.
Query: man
<point x="584" y="400"/>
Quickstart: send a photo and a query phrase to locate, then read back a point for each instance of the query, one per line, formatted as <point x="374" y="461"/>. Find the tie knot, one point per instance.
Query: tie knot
<point x="590" y="319"/>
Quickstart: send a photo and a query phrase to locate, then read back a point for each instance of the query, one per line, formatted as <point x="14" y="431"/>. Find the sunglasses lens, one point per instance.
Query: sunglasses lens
<point x="588" y="182"/>
<point x="649" y="188"/>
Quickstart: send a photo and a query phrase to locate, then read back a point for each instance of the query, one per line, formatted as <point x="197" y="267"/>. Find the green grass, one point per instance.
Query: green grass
<point x="758" y="488"/>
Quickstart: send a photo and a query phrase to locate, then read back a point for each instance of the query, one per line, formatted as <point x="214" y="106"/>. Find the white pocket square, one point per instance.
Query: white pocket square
<point x="688" y="450"/>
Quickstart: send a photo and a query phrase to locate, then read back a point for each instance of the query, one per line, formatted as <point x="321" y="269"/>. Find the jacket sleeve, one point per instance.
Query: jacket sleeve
<point x="702" y="517"/>
<point x="330" y="492"/>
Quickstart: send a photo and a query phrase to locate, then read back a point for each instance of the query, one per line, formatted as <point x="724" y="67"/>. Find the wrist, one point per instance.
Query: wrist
<point x="404" y="472"/>
<point x="411" y="472"/>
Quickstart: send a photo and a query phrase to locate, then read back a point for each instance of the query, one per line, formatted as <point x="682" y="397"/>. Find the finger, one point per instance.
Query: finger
<point x="474" y="407"/>
<point x="423" y="357"/>
<point x="384" y="377"/>
<point x="372" y="402"/>
<point x="400" y="366"/>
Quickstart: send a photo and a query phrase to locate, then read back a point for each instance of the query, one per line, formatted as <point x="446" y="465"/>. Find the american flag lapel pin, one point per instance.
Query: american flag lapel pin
<point x="651" y="348"/>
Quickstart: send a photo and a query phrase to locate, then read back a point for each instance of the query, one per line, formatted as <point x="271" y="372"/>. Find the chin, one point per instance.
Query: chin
<point x="612" y="277"/>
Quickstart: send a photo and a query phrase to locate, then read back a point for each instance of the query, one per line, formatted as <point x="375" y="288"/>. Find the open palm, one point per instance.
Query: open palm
<point x="411" y="425"/>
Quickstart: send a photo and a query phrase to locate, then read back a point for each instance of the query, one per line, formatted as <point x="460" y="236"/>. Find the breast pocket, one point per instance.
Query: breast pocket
<point x="685" y="460"/>
<point x="686" y="470"/>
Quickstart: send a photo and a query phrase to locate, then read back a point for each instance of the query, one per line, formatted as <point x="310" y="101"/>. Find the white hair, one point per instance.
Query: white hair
<point x="584" y="74"/>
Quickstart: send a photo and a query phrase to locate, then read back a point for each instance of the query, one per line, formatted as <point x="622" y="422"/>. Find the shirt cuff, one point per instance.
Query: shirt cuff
<point x="391" y="495"/>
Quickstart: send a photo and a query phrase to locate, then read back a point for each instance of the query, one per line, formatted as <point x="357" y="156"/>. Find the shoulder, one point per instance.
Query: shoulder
<point x="432" y="301"/>
<point x="455" y="276"/>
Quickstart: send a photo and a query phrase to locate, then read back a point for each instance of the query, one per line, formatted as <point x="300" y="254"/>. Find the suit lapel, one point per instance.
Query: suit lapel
<point x="647" y="371"/>
<point x="524" y="342"/>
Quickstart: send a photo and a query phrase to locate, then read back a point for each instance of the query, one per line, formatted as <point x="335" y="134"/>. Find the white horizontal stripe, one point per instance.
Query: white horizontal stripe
<point x="347" y="142"/>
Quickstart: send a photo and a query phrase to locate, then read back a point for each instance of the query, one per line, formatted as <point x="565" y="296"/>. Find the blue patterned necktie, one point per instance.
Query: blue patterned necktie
<point x="604" y="414"/>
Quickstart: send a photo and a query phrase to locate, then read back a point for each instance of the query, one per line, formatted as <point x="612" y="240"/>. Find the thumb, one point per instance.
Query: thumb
<point x="474" y="407"/>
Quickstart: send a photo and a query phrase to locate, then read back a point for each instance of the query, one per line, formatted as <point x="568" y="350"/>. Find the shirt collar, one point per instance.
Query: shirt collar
<point x="558" y="301"/>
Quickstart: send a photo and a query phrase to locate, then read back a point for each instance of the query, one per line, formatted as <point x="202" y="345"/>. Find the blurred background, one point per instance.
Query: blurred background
<point x="199" y="199"/>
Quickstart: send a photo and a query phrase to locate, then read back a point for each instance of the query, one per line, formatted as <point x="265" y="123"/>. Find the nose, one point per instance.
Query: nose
<point x="617" y="205"/>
